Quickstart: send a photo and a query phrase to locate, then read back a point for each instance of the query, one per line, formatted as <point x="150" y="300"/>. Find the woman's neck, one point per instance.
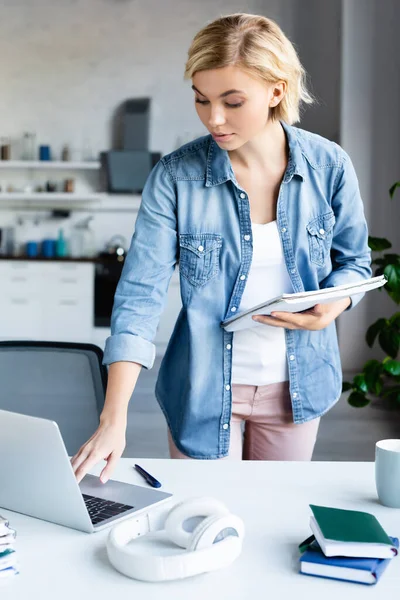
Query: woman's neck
<point x="266" y="150"/>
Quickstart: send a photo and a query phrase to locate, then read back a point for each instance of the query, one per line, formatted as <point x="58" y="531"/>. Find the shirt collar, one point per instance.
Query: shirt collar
<point x="219" y="168"/>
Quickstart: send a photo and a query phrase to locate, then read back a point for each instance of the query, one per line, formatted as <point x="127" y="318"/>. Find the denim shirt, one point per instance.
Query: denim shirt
<point x="195" y="214"/>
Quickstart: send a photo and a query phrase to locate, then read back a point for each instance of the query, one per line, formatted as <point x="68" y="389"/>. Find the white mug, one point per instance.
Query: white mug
<point x="387" y="472"/>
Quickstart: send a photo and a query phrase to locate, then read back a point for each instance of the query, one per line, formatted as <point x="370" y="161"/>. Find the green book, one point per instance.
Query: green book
<point x="350" y="533"/>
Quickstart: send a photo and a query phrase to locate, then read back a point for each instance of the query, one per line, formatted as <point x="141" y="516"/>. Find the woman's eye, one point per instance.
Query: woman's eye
<point x="228" y="105"/>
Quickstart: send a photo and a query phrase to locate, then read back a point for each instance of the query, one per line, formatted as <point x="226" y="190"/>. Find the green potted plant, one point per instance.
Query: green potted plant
<point x="381" y="379"/>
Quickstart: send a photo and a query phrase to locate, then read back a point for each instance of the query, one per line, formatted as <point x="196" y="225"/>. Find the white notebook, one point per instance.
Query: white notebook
<point x="300" y="301"/>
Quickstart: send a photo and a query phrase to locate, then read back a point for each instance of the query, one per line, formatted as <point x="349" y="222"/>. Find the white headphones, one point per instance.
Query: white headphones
<point x="213" y="544"/>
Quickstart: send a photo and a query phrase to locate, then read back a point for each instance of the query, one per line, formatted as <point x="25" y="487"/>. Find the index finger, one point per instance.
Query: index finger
<point x="86" y="465"/>
<point x="80" y="457"/>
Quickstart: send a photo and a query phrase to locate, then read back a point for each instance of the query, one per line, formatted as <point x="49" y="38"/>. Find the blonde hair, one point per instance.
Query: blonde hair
<point x="259" y="47"/>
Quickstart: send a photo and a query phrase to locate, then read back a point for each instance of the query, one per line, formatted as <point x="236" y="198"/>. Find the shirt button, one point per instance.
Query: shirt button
<point x="233" y="309"/>
<point x="291" y="357"/>
<point x="228" y="346"/>
<point x="228" y="387"/>
<point x="225" y="426"/>
<point x="200" y="248"/>
<point x="283" y="229"/>
<point x="242" y="277"/>
<point x="295" y="395"/>
<point x="247" y="237"/>
<point x="242" y="195"/>
<point x="322" y="231"/>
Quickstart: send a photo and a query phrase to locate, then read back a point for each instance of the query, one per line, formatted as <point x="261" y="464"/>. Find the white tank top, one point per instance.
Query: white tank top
<point x="259" y="353"/>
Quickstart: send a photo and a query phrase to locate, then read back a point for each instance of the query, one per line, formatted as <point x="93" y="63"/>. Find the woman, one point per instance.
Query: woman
<point x="254" y="209"/>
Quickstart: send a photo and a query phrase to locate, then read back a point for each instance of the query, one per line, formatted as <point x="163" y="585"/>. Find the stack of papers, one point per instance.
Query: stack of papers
<point x="301" y="301"/>
<point x="8" y="556"/>
<point x="347" y="544"/>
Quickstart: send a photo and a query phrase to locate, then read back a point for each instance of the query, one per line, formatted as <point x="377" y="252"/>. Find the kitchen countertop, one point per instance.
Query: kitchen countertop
<point x="94" y="259"/>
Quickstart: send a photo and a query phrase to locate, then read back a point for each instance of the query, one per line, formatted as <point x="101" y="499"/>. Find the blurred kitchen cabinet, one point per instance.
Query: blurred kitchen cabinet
<point x="46" y="301"/>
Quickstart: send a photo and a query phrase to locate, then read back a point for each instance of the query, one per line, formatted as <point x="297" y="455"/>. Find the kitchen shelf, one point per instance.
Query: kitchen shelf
<point x="50" y="164"/>
<point x="98" y="201"/>
<point x="52" y="196"/>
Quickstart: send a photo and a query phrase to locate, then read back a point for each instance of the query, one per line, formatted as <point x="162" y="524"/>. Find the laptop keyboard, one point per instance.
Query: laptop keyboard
<point x="100" y="509"/>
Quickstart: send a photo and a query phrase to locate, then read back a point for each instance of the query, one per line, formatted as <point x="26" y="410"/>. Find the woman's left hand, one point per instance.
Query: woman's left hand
<point x="315" y="318"/>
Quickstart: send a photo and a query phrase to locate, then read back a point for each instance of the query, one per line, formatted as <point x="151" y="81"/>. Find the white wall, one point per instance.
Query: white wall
<point x="370" y="132"/>
<point x="70" y="63"/>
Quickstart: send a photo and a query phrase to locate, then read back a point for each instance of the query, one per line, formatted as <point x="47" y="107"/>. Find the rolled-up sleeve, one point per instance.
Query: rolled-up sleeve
<point x="142" y="289"/>
<point x="350" y="253"/>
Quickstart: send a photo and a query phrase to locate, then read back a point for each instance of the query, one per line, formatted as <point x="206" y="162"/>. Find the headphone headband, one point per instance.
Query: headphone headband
<point x="203" y="551"/>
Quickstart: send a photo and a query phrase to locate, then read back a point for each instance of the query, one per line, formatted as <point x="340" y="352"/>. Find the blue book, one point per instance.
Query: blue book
<point x="9" y="572"/>
<point x="359" y="570"/>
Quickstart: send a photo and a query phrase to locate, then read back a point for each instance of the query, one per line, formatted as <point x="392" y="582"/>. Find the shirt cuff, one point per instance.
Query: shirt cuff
<point x="354" y="300"/>
<point x="130" y="348"/>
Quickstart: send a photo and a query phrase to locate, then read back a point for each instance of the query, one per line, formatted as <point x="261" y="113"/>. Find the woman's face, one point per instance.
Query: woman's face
<point x="241" y="114"/>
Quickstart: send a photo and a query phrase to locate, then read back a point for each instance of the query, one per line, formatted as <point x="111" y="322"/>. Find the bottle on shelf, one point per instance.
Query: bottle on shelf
<point x="82" y="240"/>
<point x="61" y="244"/>
<point x="69" y="185"/>
<point x="28" y="146"/>
<point x="65" y="154"/>
<point x="5" y="148"/>
<point x="88" y="238"/>
<point x="75" y="243"/>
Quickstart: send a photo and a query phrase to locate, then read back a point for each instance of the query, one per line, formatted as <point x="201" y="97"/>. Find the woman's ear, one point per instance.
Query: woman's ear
<point x="278" y="92"/>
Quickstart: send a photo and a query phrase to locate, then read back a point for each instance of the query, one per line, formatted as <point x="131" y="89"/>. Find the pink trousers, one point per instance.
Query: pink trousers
<point x="269" y="431"/>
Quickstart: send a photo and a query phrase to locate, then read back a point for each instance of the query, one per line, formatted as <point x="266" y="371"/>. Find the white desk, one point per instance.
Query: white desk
<point x="272" y="498"/>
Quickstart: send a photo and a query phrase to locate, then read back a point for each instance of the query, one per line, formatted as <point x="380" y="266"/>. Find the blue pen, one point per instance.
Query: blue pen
<point x="149" y="478"/>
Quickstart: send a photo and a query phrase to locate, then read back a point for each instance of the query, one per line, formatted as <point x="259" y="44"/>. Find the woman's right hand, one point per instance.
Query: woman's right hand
<point x="107" y="443"/>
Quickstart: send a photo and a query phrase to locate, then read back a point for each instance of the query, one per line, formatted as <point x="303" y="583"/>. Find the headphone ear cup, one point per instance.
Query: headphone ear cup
<point x="198" y="533"/>
<point x="207" y="531"/>
<point x="187" y="509"/>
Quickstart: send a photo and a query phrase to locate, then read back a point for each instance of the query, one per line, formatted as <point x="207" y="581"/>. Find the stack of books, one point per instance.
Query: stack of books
<point x="346" y="544"/>
<point x="8" y="556"/>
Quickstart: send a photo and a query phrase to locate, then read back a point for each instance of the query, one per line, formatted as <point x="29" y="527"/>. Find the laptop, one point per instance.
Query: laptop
<point x="37" y="479"/>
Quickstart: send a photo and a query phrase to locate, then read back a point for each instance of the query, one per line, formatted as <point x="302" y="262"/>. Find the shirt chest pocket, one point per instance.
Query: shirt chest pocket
<point x="320" y="234"/>
<point x="199" y="256"/>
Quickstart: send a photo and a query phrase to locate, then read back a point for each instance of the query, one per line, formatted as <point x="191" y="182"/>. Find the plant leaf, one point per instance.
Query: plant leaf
<point x="373" y="331"/>
<point x="391" y="259"/>
<point x="395" y="320"/>
<point x="392" y="274"/>
<point x="393" y="188"/>
<point x="389" y="340"/>
<point x="378" y="244"/>
<point x="392" y="367"/>
<point x="346" y="386"/>
<point x="372" y="374"/>
<point x="360" y="383"/>
<point x="358" y="400"/>
<point x="395" y="295"/>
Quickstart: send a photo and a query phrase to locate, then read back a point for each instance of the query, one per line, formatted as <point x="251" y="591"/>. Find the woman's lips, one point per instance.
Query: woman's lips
<point x="222" y="138"/>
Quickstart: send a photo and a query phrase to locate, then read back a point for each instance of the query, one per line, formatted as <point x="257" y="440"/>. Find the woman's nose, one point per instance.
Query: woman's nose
<point x="217" y="117"/>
